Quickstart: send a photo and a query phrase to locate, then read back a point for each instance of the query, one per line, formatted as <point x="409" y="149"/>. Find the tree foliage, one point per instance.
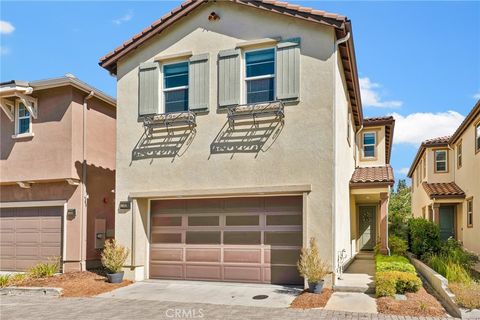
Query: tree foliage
<point x="400" y="210"/>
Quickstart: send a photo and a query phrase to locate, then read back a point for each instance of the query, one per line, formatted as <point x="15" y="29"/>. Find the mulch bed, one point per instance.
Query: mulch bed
<point x="75" y="284"/>
<point x="418" y="304"/>
<point x="307" y="300"/>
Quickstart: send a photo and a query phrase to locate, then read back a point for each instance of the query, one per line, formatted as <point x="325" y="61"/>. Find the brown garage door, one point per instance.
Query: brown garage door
<point x="29" y="236"/>
<point x="232" y="239"/>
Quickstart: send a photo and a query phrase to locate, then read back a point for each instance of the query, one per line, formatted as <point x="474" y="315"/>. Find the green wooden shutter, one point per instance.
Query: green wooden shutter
<point x="288" y="69"/>
<point x="148" y="88"/>
<point x="228" y="77"/>
<point x="198" y="82"/>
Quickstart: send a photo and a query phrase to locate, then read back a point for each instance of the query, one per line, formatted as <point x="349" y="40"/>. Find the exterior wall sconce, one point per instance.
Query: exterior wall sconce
<point x="125" y="205"/>
<point x="213" y="16"/>
<point x="71" y="214"/>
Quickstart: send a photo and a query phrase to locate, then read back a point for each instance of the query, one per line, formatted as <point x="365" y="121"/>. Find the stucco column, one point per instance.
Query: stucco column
<point x="383" y="222"/>
<point x="436" y="213"/>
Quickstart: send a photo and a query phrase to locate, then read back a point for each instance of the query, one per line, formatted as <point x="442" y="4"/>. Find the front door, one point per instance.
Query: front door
<point x="366" y="226"/>
<point x="447" y="222"/>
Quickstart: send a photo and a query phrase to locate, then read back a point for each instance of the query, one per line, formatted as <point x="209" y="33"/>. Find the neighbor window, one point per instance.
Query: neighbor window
<point x="424" y="166"/>
<point x="369" y="142"/>
<point x="260" y="75"/>
<point x="459" y="155"/>
<point x="175" y="87"/>
<point x="23" y="122"/>
<point x="477" y="138"/>
<point x="470" y="212"/>
<point x="441" y="160"/>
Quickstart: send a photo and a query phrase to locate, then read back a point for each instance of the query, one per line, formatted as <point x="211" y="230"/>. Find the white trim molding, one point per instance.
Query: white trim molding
<point x="30" y="204"/>
<point x="8" y="107"/>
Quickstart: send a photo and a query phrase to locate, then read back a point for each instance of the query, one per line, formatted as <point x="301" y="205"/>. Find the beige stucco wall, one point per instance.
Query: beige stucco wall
<point x="302" y="153"/>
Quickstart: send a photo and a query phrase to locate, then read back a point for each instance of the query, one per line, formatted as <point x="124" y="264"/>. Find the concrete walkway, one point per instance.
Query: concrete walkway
<point x="208" y="292"/>
<point x="34" y="308"/>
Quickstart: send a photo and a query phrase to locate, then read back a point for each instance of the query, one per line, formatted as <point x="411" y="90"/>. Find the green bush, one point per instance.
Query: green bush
<point x="388" y="283"/>
<point x="453" y="250"/>
<point x="43" y="270"/>
<point x="424" y="236"/>
<point x="454" y="272"/>
<point x="4" y="280"/>
<point x="114" y="256"/>
<point x="397" y="245"/>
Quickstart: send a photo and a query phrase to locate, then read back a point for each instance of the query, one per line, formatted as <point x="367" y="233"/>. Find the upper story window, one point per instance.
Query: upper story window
<point x="459" y="155"/>
<point x="260" y="75"/>
<point x="477" y="138"/>
<point x="369" y="143"/>
<point x="470" y="212"/>
<point x="441" y="161"/>
<point x="23" y="119"/>
<point x="175" y="87"/>
<point x="424" y="166"/>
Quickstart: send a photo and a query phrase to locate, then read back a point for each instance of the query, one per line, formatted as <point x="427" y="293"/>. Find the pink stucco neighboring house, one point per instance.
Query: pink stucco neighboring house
<point x="57" y="172"/>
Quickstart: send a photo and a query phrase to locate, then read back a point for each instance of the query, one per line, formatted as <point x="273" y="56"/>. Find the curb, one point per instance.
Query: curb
<point x="31" y="291"/>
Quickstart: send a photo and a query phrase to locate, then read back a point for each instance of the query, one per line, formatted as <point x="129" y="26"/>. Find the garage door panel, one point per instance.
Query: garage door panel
<point x="232" y="239"/>
<point x="29" y="236"/>
<point x="242" y="255"/>
<point x="203" y="272"/>
<point x="166" y="254"/>
<point x="203" y="255"/>
<point x="244" y="274"/>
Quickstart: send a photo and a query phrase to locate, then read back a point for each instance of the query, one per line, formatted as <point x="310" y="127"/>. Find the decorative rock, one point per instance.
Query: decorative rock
<point x="400" y="297"/>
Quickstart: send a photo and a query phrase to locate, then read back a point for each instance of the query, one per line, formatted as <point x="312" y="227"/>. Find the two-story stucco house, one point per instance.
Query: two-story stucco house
<point x="57" y="173"/>
<point x="446" y="182"/>
<point x="240" y="135"/>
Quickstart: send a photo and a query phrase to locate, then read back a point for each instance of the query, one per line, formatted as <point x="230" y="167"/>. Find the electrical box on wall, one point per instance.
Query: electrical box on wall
<point x="100" y="233"/>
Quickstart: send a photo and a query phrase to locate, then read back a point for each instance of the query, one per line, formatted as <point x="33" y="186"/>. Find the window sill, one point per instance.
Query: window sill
<point x="23" y="135"/>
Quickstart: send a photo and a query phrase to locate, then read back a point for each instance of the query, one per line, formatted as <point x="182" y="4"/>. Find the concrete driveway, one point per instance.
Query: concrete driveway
<point x="208" y="292"/>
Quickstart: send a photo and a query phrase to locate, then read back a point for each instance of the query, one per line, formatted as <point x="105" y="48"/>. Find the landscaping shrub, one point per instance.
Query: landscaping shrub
<point x="454" y="251"/>
<point x="466" y="295"/>
<point x="4" y="280"/>
<point x="310" y="266"/>
<point x="114" y="256"/>
<point x="454" y="272"/>
<point x="387" y="283"/>
<point x="397" y="245"/>
<point x="393" y="263"/>
<point x="43" y="270"/>
<point x="424" y="236"/>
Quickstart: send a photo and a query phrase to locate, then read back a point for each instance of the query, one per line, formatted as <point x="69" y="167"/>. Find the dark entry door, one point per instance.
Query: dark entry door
<point x="447" y="222"/>
<point x="367" y="226"/>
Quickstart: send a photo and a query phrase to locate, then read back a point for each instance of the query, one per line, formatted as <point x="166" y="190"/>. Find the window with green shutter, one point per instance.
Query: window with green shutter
<point x="260" y="75"/>
<point x="175" y="87"/>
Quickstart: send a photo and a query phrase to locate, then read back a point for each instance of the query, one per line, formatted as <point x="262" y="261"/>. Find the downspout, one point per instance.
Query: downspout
<point x="388" y="203"/>
<point x="83" y="245"/>
<point x="334" y="137"/>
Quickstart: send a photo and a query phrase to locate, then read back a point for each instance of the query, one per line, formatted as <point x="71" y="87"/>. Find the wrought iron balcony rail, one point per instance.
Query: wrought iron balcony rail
<point x="255" y="110"/>
<point x="170" y="119"/>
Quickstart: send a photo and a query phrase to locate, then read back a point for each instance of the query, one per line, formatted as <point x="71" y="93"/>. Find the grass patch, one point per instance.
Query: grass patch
<point x="466" y="295"/>
<point x="4" y="280"/>
<point x="43" y="270"/>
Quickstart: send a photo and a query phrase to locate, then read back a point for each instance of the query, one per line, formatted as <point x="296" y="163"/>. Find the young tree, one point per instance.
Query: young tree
<point x="400" y="210"/>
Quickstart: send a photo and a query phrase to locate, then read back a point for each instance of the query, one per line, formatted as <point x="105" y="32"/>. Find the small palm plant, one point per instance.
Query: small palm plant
<point x="113" y="259"/>
<point x="312" y="267"/>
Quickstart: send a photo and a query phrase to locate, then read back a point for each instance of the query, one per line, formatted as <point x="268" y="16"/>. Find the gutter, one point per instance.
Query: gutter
<point x="334" y="162"/>
<point x="84" y="195"/>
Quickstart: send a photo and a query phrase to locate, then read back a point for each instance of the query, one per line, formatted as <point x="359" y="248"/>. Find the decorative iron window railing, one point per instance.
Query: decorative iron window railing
<point x="254" y="111"/>
<point x="170" y="119"/>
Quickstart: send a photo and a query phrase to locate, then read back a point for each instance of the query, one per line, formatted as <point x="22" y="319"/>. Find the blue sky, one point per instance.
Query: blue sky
<point x="417" y="60"/>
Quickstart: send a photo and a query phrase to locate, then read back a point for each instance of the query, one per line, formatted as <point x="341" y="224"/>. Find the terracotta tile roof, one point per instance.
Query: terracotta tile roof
<point x="373" y="175"/>
<point x="437" y="141"/>
<point x="341" y="24"/>
<point x="389" y="123"/>
<point x="466" y="122"/>
<point x="443" y="190"/>
<point x="434" y="142"/>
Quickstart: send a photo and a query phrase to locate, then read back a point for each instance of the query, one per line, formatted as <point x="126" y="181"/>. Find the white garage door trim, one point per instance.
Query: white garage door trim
<point x="46" y="203"/>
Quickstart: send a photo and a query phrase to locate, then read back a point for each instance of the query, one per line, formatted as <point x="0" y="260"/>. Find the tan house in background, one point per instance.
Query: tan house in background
<point x="446" y="182"/>
<point x="240" y="136"/>
<point x="57" y="172"/>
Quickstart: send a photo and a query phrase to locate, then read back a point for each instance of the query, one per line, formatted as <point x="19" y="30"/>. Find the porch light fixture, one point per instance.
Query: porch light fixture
<point x="71" y="213"/>
<point x="125" y="205"/>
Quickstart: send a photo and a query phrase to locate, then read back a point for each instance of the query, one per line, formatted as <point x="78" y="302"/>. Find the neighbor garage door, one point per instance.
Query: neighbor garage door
<point x="29" y="236"/>
<point x="233" y="239"/>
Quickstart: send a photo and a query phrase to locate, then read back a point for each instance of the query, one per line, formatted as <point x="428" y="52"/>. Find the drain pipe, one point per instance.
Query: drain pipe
<point x="388" y="203"/>
<point x="83" y="245"/>
<point x="334" y="137"/>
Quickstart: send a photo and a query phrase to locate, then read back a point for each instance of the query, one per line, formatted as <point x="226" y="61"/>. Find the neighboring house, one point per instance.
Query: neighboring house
<point x="57" y="173"/>
<point x="238" y="124"/>
<point x="446" y="182"/>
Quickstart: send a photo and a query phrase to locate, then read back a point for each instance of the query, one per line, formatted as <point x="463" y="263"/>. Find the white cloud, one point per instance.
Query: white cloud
<point x="476" y="95"/>
<point x="417" y="127"/>
<point x="403" y="171"/>
<point x="4" y="50"/>
<point x="6" y="27"/>
<point x="372" y="98"/>
<point x="125" y="18"/>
